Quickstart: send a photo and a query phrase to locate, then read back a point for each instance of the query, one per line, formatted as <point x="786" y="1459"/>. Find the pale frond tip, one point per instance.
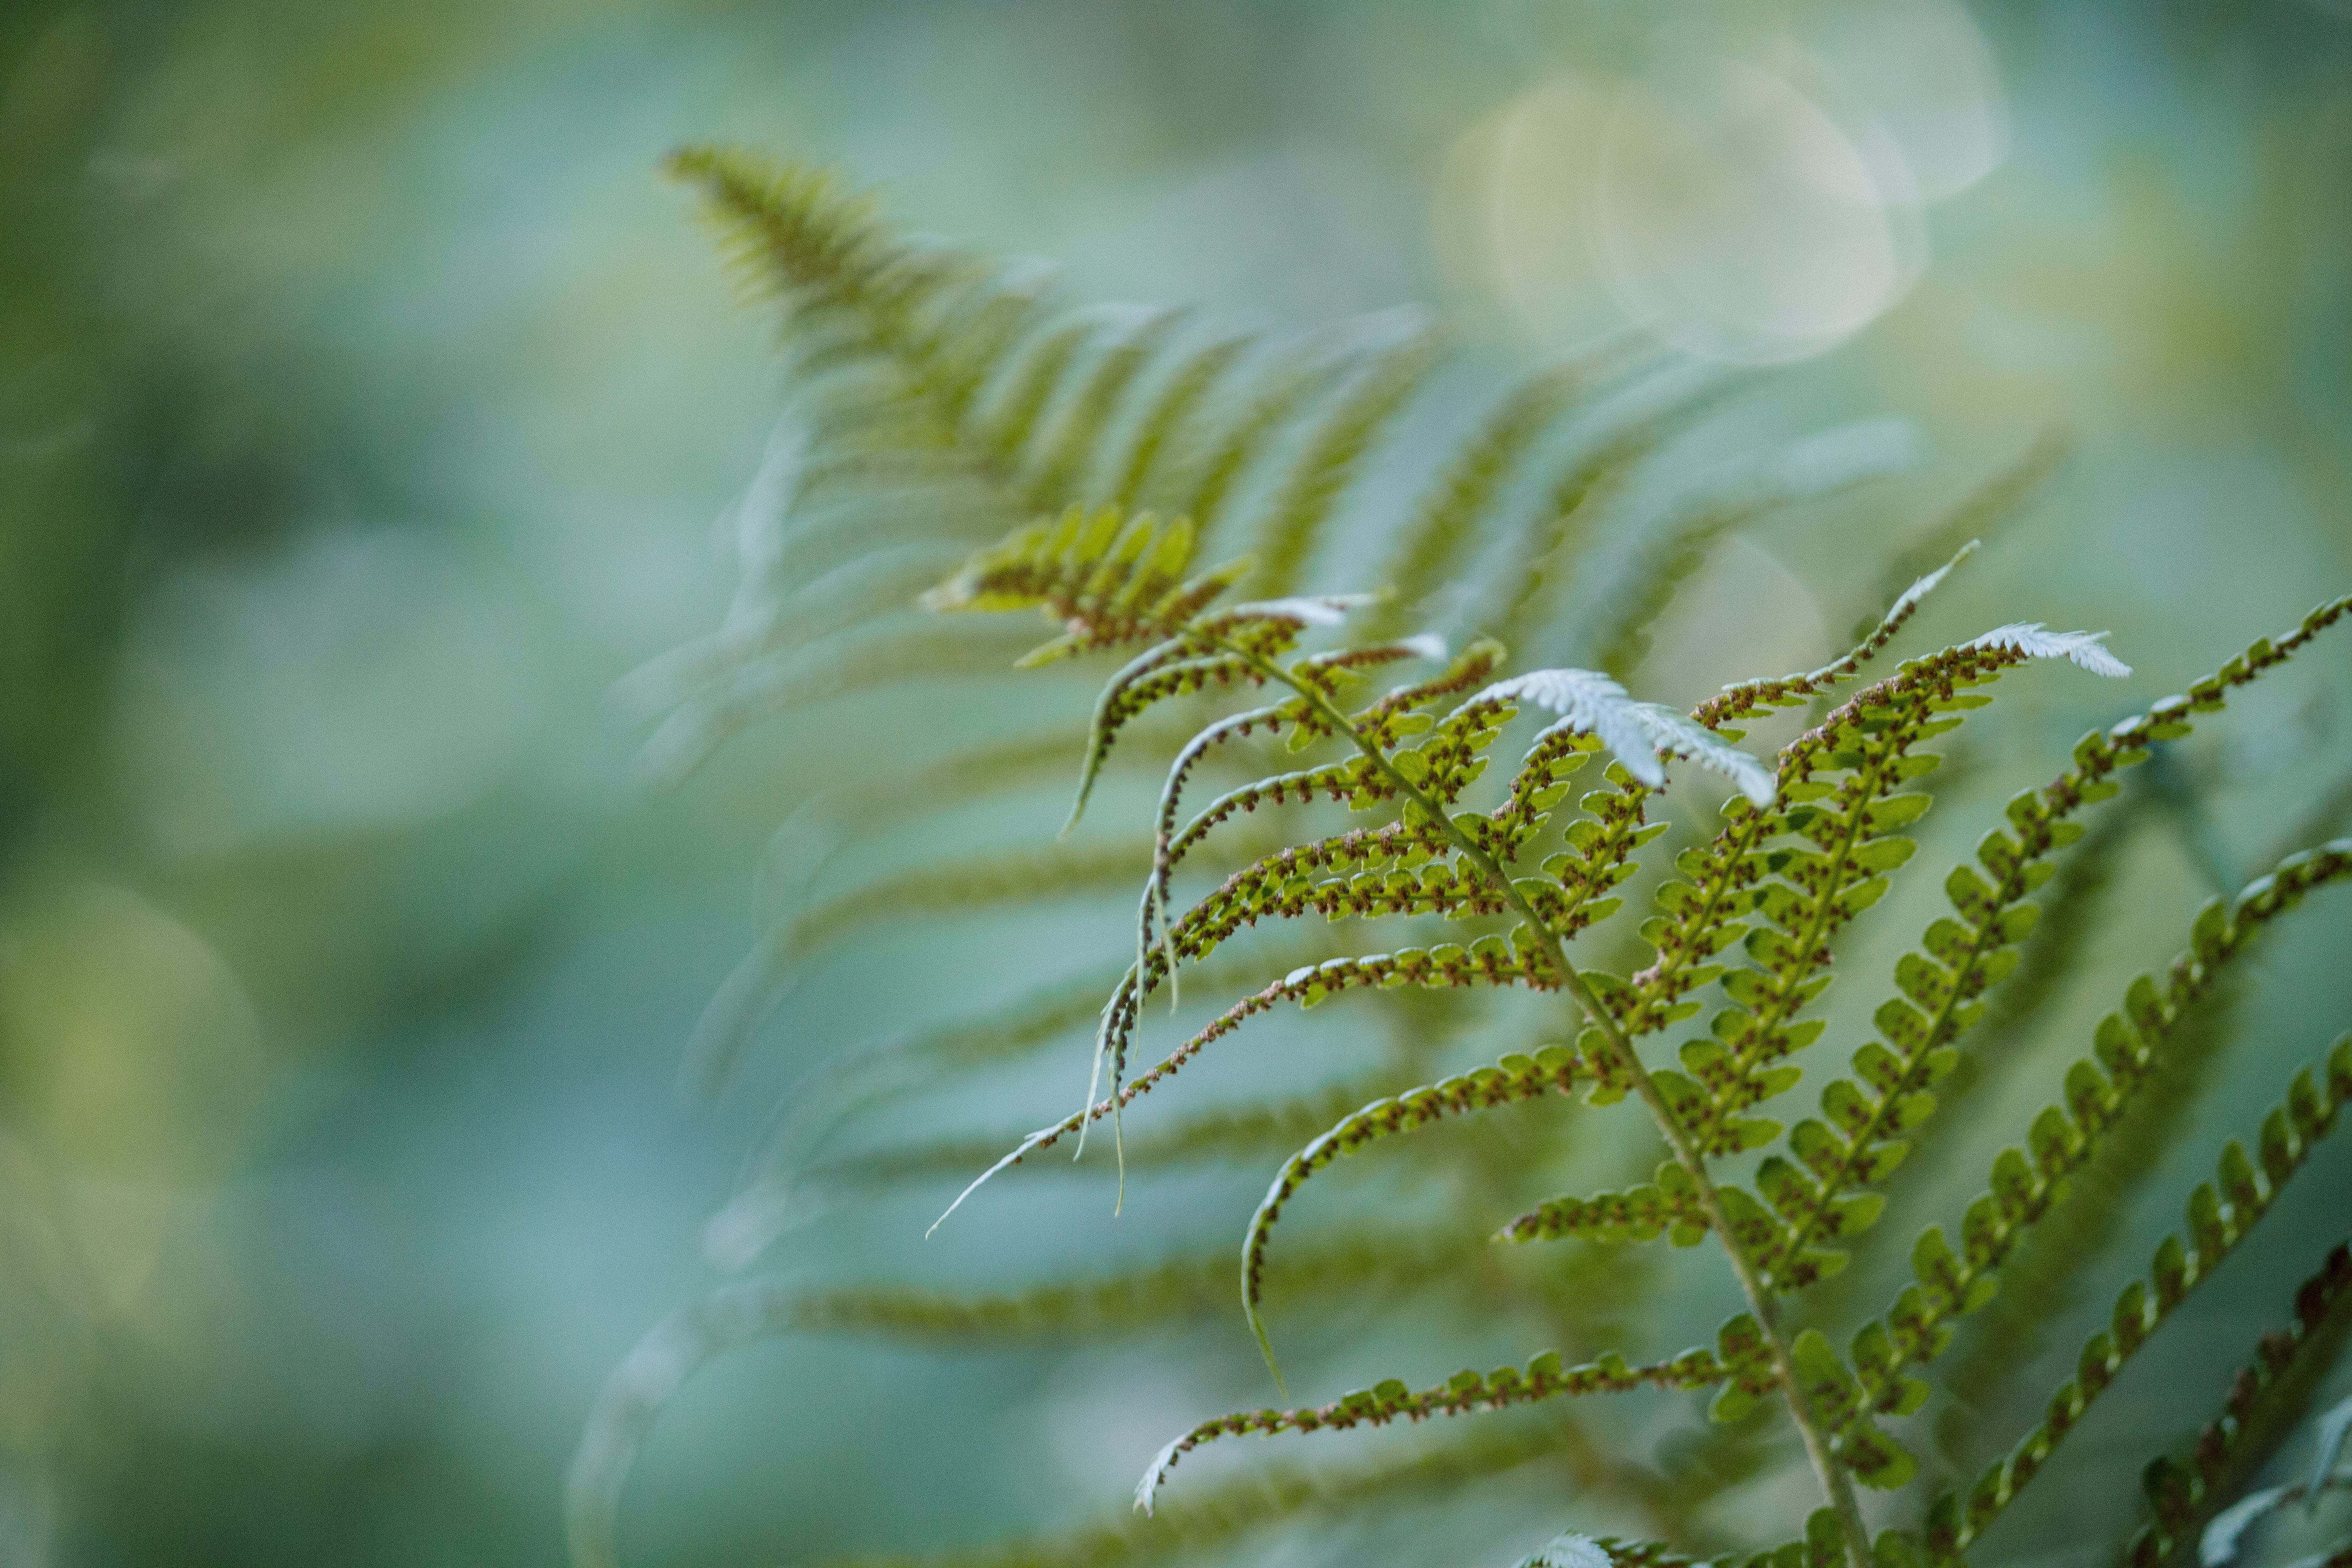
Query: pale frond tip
<point x="1642" y="734"/>
<point x="1570" y="1550"/>
<point x="2087" y="649"/>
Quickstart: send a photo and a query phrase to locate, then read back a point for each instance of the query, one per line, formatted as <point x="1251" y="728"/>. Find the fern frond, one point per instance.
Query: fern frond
<point x="1667" y="1206"/>
<point x="1984" y="513"/>
<point x="1863" y="1135"/>
<point x="1436" y="541"/>
<point x="1544" y="1378"/>
<point x="1514" y="1078"/>
<point x="1677" y="545"/>
<point x="1542" y="551"/>
<point x="2266" y="1397"/>
<point x="1951" y="1286"/>
<point x="1335" y="449"/>
<point x="2216" y="1225"/>
<point x="1165" y="419"/>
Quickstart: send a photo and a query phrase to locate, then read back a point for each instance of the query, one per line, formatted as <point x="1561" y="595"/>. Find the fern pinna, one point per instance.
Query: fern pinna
<point x="940" y="401"/>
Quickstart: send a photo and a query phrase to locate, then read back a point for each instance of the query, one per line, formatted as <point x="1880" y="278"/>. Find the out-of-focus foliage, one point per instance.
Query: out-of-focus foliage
<point x="365" y="400"/>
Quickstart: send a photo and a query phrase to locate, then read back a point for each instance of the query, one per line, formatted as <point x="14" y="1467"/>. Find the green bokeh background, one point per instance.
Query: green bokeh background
<point x="364" y="403"/>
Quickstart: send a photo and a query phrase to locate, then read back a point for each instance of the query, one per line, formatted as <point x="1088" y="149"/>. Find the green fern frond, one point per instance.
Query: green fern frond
<point x="938" y="401"/>
<point x="1862" y="1134"/>
<point x="2266" y="1399"/>
<point x="1984" y="513"/>
<point x="1674" y="546"/>
<point x="2217" y="1223"/>
<point x="1438" y="539"/>
<point x="1508" y="1081"/>
<point x="1544" y="1378"/>
<point x="1952" y="1285"/>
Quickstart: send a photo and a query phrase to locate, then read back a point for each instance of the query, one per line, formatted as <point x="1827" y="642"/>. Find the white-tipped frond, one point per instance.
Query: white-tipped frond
<point x="2030" y="638"/>
<point x="1570" y="1550"/>
<point x="1675" y="733"/>
<point x="1642" y="734"/>
<point x="1427" y="645"/>
<point x="1146" y="1488"/>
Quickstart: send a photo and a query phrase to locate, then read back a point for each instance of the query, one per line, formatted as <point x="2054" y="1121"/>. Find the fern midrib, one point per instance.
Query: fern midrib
<point x="1834" y="1482"/>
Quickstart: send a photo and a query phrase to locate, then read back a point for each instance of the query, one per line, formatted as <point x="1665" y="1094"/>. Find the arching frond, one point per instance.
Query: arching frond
<point x="2266" y="1399"/>
<point x="2308" y="1114"/>
<point x="1544" y="1378"/>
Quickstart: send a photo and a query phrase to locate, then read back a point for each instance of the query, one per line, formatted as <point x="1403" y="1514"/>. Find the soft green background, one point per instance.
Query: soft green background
<point x="364" y="404"/>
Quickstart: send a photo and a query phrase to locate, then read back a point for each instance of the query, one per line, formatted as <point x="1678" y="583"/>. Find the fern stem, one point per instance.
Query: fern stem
<point x="1835" y="1483"/>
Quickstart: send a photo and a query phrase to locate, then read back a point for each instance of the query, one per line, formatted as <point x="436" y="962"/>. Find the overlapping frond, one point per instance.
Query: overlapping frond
<point x="2098" y="1095"/>
<point x="2220" y="1216"/>
<point x="2266" y="1398"/>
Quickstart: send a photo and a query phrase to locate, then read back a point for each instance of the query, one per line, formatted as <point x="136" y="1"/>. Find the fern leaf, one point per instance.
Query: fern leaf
<point x="2265" y="1398"/>
<point x="1677" y="545"/>
<point x="1167" y="415"/>
<point x="1544" y="1378"/>
<point x="1514" y="1078"/>
<point x="1666" y="1207"/>
<point x="1436" y="542"/>
<point x="2063" y="1140"/>
<point x="1335" y="449"/>
<point x="1081" y="432"/>
<point x="1640" y="734"/>
<point x="2289" y="1132"/>
<point x="1984" y="513"/>
<point x="1863" y="1135"/>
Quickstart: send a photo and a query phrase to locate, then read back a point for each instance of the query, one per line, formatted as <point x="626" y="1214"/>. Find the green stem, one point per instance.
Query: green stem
<point x="1835" y="1484"/>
